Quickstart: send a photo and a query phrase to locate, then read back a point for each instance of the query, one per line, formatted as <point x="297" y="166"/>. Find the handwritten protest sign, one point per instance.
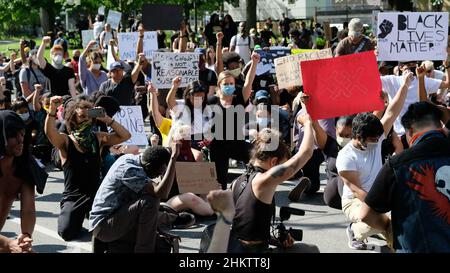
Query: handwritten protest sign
<point x="130" y="117"/>
<point x="340" y="91"/>
<point x="167" y="65"/>
<point x="410" y="36"/>
<point x="87" y="36"/>
<point x="114" y="19"/>
<point x="201" y="181"/>
<point x="288" y="68"/>
<point x="266" y="63"/>
<point x="296" y="51"/>
<point x="128" y="44"/>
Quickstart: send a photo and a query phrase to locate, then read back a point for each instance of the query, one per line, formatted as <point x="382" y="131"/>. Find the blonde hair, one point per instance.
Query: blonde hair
<point x="261" y="146"/>
<point x="223" y="75"/>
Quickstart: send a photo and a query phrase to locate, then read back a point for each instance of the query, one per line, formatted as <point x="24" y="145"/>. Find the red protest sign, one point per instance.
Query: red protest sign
<point x="342" y="86"/>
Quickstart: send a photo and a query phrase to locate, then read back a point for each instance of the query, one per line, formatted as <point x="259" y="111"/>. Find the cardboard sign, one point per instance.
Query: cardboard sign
<point x="300" y="51"/>
<point x="87" y="36"/>
<point x="266" y="63"/>
<point x="347" y="85"/>
<point x="162" y="17"/>
<point x="201" y="181"/>
<point x="110" y="58"/>
<point x="128" y="44"/>
<point x="288" y="68"/>
<point x="411" y="36"/>
<point x="167" y="65"/>
<point x="114" y="19"/>
<point x="130" y="117"/>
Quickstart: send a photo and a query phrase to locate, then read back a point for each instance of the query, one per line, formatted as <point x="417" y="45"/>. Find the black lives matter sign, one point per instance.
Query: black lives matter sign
<point x="412" y="36"/>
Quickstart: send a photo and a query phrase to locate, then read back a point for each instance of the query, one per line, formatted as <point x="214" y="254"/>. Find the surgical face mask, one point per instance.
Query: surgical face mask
<point x="25" y="116"/>
<point x="262" y="122"/>
<point x="235" y="72"/>
<point x="96" y="66"/>
<point x="57" y="59"/>
<point x="342" y="141"/>
<point x="228" y="90"/>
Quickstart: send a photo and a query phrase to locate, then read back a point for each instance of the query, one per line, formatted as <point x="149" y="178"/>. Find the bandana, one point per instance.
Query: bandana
<point x="85" y="136"/>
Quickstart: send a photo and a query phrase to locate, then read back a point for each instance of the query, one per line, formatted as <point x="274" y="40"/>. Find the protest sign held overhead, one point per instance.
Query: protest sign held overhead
<point x="114" y="19"/>
<point x="87" y="36"/>
<point x="201" y="181"/>
<point x="128" y="44"/>
<point x="340" y="91"/>
<point x="288" y="68"/>
<point x="266" y="63"/>
<point x="131" y="118"/>
<point x="167" y="65"/>
<point x="412" y="36"/>
<point x="168" y="17"/>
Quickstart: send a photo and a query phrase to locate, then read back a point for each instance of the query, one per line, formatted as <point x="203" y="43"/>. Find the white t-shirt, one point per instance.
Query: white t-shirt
<point x="106" y="38"/>
<point x="438" y="75"/>
<point x="391" y="85"/>
<point x="367" y="163"/>
<point x="242" y="46"/>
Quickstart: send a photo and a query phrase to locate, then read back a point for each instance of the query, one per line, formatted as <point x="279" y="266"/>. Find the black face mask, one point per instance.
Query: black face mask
<point x="413" y="70"/>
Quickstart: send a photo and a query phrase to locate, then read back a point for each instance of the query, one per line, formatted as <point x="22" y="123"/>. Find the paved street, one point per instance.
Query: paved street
<point x="322" y="226"/>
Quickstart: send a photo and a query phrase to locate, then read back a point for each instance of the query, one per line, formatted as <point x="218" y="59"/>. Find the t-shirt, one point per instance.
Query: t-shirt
<point x="123" y="92"/>
<point x="345" y="47"/>
<point x="227" y="125"/>
<point x="98" y="28"/>
<point x="208" y="78"/>
<point x="27" y="76"/>
<point x="367" y="163"/>
<point x="244" y="45"/>
<point x="125" y="179"/>
<point x="391" y="84"/>
<point x="59" y="79"/>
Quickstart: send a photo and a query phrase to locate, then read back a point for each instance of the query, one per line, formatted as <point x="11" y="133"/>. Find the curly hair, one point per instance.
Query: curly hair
<point x="366" y="125"/>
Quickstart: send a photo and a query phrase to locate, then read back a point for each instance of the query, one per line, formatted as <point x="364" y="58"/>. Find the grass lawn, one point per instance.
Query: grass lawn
<point x="13" y="43"/>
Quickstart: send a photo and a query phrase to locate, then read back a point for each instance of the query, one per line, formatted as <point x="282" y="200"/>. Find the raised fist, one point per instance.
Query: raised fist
<point x="385" y="28"/>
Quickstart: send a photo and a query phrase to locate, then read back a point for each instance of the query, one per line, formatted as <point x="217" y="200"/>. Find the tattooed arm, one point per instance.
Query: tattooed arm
<point x="277" y="174"/>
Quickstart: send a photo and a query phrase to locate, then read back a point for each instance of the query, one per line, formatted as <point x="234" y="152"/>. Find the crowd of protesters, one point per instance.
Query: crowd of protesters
<point x="396" y="160"/>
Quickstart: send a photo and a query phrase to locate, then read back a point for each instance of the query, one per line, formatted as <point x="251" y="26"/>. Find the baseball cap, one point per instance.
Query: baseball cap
<point x="115" y="65"/>
<point x="262" y="94"/>
<point x="355" y="27"/>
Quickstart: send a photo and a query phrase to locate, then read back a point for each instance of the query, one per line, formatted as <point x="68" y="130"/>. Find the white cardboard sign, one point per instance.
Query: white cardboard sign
<point x="128" y="44"/>
<point x="131" y="118"/>
<point x="167" y="65"/>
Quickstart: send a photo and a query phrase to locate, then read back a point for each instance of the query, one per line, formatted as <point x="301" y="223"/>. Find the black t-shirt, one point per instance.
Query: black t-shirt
<point x="262" y="82"/>
<point x="208" y="78"/>
<point x="238" y="122"/>
<point x="162" y="40"/>
<point x="285" y="25"/>
<point x="378" y="197"/>
<point x="122" y="92"/>
<point x="285" y="98"/>
<point x="59" y="79"/>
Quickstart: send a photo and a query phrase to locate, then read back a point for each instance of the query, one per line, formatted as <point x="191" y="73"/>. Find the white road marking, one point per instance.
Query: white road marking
<point x="75" y="246"/>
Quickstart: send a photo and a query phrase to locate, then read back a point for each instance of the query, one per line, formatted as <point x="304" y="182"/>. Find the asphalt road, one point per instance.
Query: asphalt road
<point x="322" y="226"/>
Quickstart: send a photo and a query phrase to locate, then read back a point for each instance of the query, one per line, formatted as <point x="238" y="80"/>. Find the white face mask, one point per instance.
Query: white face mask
<point x="342" y="141"/>
<point x="57" y="59"/>
<point x="235" y="72"/>
<point x="96" y="66"/>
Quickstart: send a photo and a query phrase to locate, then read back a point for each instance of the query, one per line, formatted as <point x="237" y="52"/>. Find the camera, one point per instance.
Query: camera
<point x="281" y="233"/>
<point x="96" y="112"/>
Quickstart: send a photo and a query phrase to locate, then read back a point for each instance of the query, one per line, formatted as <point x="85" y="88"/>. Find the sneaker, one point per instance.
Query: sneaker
<point x="297" y="191"/>
<point x="184" y="220"/>
<point x="352" y="242"/>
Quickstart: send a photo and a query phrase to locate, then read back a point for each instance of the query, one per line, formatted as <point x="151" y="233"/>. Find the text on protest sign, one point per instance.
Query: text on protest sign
<point x="266" y="63"/>
<point x="296" y="51"/>
<point x="167" y="65"/>
<point x="410" y="36"/>
<point x="128" y="44"/>
<point x="201" y="181"/>
<point x="340" y="91"/>
<point x="114" y="18"/>
<point x="288" y="68"/>
<point x="131" y="118"/>
<point x="87" y="36"/>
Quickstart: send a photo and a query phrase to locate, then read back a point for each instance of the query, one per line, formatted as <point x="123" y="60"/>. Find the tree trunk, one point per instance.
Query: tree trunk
<point x="251" y="13"/>
<point x="45" y="20"/>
